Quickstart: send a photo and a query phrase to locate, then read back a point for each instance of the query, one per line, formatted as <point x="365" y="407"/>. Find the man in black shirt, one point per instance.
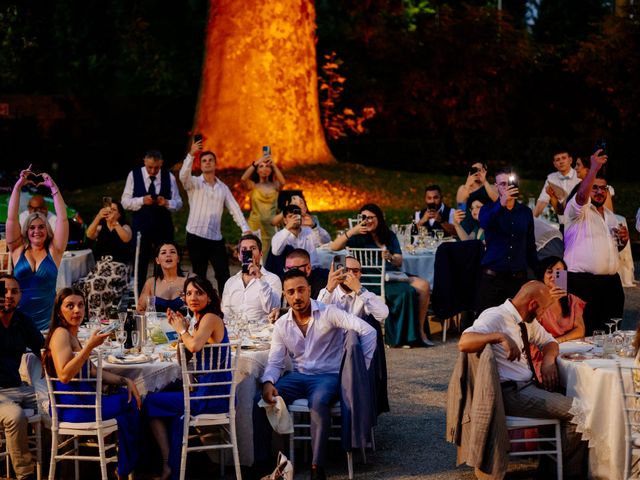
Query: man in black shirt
<point x="299" y="259"/>
<point x="17" y="333"/>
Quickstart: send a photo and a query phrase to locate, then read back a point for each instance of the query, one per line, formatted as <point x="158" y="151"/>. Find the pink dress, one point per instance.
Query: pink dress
<point x="557" y="325"/>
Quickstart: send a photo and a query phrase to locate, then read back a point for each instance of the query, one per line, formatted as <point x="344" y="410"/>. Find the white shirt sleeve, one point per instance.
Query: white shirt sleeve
<point x="366" y="332"/>
<point x="544" y="196"/>
<point x="129" y="202"/>
<point x="281" y="239"/>
<point x="185" y="173"/>
<point x="175" y="203"/>
<point x="269" y="294"/>
<point x="373" y="305"/>
<point x="225" y="303"/>
<point x="235" y="211"/>
<point x="574" y="212"/>
<point x="277" y="353"/>
<point x="487" y="322"/>
<point x="324" y="296"/>
<point x="538" y="335"/>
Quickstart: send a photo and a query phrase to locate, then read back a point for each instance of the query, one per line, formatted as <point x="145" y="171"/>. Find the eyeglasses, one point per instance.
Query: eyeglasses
<point x="296" y="267"/>
<point x="368" y="218"/>
<point x="352" y="270"/>
<point x="602" y="188"/>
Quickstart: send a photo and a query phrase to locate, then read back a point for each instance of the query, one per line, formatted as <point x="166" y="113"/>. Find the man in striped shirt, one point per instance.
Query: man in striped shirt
<point x="207" y="198"/>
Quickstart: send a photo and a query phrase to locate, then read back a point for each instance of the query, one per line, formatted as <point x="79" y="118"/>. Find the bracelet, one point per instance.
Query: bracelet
<point x="53" y="194"/>
<point x="182" y="332"/>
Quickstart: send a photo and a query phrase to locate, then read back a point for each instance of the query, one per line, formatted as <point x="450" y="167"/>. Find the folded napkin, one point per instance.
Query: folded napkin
<point x="600" y="363"/>
<point x="575" y="347"/>
<point x="278" y="415"/>
<point x="128" y="359"/>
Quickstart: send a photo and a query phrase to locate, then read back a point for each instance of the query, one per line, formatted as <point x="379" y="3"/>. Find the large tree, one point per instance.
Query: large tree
<point x="259" y="83"/>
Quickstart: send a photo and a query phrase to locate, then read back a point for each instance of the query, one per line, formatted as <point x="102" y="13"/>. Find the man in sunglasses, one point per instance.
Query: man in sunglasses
<point x="346" y="292"/>
<point x="592" y="239"/>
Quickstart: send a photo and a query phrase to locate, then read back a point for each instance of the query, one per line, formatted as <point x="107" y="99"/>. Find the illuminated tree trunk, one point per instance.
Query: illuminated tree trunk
<point x="259" y="83"/>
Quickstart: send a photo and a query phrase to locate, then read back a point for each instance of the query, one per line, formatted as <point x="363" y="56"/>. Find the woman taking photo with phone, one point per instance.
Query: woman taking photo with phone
<point x="264" y="180"/>
<point x="166" y="409"/>
<point x="36" y="251"/>
<point x="65" y="357"/>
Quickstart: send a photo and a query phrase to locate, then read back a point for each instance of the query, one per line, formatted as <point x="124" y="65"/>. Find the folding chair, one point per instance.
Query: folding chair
<point x="215" y="358"/>
<point x="373" y="268"/>
<point x="631" y="397"/>
<point x="77" y="430"/>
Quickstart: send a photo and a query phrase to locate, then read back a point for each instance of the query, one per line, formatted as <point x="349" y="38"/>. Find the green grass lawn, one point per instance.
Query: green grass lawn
<point x="398" y="193"/>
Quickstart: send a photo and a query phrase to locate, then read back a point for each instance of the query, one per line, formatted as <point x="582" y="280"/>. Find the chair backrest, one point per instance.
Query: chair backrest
<point x="215" y="358"/>
<point x="629" y="377"/>
<point x="77" y="388"/>
<point x="6" y="265"/>
<point x="353" y="222"/>
<point x="373" y="268"/>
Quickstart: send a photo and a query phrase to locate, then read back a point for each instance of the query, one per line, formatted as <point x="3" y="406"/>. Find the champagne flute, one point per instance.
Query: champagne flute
<point x="121" y="336"/>
<point x="135" y="337"/>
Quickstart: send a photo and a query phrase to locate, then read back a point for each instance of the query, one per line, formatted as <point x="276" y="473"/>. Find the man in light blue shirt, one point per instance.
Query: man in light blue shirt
<point x="312" y="335"/>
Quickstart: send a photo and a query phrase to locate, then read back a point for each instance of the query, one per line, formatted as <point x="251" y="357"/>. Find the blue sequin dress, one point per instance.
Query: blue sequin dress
<point x="38" y="289"/>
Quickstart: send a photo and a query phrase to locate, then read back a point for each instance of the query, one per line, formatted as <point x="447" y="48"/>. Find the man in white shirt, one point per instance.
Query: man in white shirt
<point x="564" y="177"/>
<point x="253" y="291"/>
<point x="151" y="193"/>
<point x="312" y="335"/>
<point x="509" y="329"/>
<point x="38" y="204"/>
<point x="345" y="291"/>
<point x="592" y="240"/>
<point x="296" y="235"/>
<point x="207" y="198"/>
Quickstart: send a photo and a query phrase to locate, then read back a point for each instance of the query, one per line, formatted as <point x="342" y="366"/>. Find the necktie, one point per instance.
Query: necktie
<point x="527" y="350"/>
<point x="152" y="186"/>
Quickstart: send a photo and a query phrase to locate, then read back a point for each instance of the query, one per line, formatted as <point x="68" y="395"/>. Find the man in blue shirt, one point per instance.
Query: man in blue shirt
<point x="17" y="333"/>
<point x="511" y="246"/>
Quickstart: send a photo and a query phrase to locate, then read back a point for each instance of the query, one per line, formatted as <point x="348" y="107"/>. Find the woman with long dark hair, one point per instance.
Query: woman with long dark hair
<point x="36" y="251"/>
<point x="165" y="409"/>
<point x="65" y="357"/>
<point x="264" y="180"/>
<point x="373" y="232"/>
<point x="167" y="282"/>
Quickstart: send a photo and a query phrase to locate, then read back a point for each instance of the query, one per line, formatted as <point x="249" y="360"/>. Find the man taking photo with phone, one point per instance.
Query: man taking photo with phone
<point x="296" y="235"/>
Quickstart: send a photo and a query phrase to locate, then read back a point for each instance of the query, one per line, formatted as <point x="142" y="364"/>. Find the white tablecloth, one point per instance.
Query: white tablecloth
<point x="599" y="414"/>
<point x="74" y="265"/>
<point x="148" y="377"/>
<point x="421" y="264"/>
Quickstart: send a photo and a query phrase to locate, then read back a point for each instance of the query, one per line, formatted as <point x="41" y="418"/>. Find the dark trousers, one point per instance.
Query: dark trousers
<point x="202" y="252"/>
<point x="321" y="390"/>
<point x="495" y="287"/>
<point x="150" y="240"/>
<point x="604" y="296"/>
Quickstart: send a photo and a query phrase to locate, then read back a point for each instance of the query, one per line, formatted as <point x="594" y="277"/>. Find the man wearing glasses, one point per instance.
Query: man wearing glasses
<point x="592" y="240"/>
<point x="299" y="259"/>
<point x="345" y="291"/>
<point x="38" y="204"/>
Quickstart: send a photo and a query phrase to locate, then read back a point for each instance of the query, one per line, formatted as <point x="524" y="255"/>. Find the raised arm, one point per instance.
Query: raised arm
<point x="246" y="176"/>
<point x="584" y="190"/>
<point x="235" y="211"/>
<point x="14" y="236"/>
<point x="61" y="234"/>
<point x="341" y="240"/>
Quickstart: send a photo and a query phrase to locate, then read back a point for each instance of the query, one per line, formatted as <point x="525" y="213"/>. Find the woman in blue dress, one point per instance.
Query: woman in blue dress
<point x="36" y="251"/>
<point x="372" y="232"/>
<point x="65" y="358"/>
<point x="165" y="409"/>
<point x="167" y="282"/>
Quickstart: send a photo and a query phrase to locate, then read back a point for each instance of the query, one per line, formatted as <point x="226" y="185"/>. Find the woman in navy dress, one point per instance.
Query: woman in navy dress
<point x="167" y="282"/>
<point x="166" y="409"/>
<point x="65" y="358"/>
<point x="36" y="251"/>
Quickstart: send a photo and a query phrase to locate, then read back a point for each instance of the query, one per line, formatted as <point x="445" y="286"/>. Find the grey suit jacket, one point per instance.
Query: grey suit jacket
<point x="476" y="421"/>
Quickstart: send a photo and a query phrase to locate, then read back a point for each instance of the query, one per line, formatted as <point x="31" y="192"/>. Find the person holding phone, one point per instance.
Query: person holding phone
<point x="105" y="284"/>
<point x="558" y="184"/>
<point x="208" y="196"/>
<point x="36" y="251"/>
<point x="253" y="291"/>
<point x="65" y="357"/>
<point x="264" y="180"/>
<point x="17" y="334"/>
<point x="296" y="235"/>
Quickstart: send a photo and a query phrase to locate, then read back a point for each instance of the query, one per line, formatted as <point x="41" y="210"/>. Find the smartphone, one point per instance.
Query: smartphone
<point x="474" y="170"/>
<point x="513" y="182"/>
<point x="339" y="261"/>
<point x="560" y="279"/>
<point x="601" y="145"/>
<point x="106" y="202"/>
<point x="247" y="258"/>
<point x="266" y="151"/>
<point x="432" y="207"/>
<point x="109" y="328"/>
<point x="197" y="138"/>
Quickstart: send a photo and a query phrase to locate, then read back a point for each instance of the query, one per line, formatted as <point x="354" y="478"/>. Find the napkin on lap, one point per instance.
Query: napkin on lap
<point x="278" y="415"/>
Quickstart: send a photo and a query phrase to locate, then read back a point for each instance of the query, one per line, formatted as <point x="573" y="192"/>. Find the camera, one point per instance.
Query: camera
<point x="106" y="202"/>
<point x="247" y="258"/>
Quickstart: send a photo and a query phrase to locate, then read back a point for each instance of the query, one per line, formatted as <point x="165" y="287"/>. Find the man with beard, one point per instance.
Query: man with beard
<point x="509" y="329"/>
<point x="312" y="335"/>
<point x="17" y="332"/>
<point x="592" y="240"/>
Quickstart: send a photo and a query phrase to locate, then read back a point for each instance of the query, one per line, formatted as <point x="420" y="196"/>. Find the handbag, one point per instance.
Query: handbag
<point x="283" y="470"/>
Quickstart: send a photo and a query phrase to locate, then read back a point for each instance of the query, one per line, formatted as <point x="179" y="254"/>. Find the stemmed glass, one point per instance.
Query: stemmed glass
<point x="617" y="321"/>
<point x="121" y="337"/>
<point x="610" y="325"/>
<point x="135" y="337"/>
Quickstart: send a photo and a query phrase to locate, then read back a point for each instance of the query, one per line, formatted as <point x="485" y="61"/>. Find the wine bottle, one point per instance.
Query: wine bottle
<point x="129" y="326"/>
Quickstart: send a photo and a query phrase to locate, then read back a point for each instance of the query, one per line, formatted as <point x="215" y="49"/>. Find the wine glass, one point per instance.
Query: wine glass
<point x="121" y="337"/>
<point x="135" y="337"/>
<point x="617" y="321"/>
<point x="610" y="325"/>
<point x="440" y="235"/>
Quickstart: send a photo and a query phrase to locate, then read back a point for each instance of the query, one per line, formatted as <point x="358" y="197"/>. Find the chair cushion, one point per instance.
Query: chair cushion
<point x="88" y="425"/>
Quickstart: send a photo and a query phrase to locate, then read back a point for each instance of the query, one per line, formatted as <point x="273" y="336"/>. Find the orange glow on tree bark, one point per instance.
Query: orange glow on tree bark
<point x="259" y="83"/>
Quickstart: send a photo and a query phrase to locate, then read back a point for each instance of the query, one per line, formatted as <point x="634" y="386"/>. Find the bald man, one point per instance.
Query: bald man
<point x="508" y="328"/>
<point x="38" y="204"/>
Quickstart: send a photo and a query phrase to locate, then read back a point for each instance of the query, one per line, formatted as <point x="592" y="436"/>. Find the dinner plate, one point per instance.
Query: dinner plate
<point x="574" y="347"/>
<point x="128" y="360"/>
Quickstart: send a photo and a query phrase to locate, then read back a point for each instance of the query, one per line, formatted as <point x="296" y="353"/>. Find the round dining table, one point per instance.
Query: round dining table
<point x="74" y="265"/>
